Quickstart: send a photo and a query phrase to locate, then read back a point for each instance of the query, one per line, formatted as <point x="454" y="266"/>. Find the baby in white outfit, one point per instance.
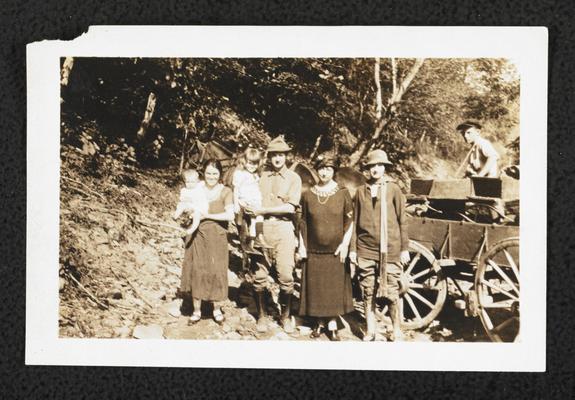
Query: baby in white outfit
<point x="192" y="200"/>
<point x="247" y="192"/>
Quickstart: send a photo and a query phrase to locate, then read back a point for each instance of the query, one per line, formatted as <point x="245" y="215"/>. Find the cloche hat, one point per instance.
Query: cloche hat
<point x="376" y="157"/>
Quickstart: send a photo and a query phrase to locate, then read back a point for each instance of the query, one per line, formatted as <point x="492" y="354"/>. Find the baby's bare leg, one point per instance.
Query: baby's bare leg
<point x="195" y="222"/>
<point x="178" y="212"/>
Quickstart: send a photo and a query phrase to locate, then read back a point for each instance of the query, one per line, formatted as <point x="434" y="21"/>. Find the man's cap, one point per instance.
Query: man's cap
<point x="468" y="124"/>
<point x="326" y="160"/>
<point x="376" y="157"/>
<point x="278" y="145"/>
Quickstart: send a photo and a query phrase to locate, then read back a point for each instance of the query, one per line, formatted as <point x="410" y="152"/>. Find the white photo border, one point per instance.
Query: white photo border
<point x="527" y="47"/>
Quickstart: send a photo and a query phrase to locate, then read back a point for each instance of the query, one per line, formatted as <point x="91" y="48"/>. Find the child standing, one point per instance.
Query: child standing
<point x="192" y="200"/>
<point x="379" y="240"/>
<point x="245" y="183"/>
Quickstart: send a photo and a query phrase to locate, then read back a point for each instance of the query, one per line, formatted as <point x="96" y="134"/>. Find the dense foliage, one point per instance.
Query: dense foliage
<point x="318" y="104"/>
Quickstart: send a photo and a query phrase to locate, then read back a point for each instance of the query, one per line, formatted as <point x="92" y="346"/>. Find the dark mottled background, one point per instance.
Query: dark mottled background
<point x="25" y="21"/>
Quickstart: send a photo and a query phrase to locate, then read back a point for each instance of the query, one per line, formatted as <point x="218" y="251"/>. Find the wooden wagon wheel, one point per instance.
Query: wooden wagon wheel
<point x="497" y="288"/>
<point x="423" y="289"/>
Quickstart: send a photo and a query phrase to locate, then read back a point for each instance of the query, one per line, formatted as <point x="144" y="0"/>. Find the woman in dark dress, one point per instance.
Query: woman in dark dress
<point x="206" y="258"/>
<point x="326" y="228"/>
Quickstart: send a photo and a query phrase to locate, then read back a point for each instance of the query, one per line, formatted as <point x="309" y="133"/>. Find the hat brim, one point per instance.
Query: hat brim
<point x="279" y="150"/>
<point x="323" y="165"/>
<point x="367" y="164"/>
<point x="465" y="126"/>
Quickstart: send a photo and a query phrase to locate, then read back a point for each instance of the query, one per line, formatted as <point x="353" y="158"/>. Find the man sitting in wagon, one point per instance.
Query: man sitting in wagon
<point x="482" y="158"/>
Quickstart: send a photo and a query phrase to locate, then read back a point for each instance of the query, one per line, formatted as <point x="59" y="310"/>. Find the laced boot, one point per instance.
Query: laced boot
<point x="397" y="334"/>
<point x="370" y="322"/>
<point x="285" y="303"/>
<point x="262" y="323"/>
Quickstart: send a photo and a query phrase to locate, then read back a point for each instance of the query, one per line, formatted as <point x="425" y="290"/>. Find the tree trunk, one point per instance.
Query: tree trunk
<point x="66" y="70"/>
<point x="148" y="114"/>
<point x="363" y="146"/>
<point x="315" y="147"/>
<point x="399" y="90"/>
<point x="404" y="85"/>
<point x="183" y="157"/>
<point x="378" y="101"/>
<point x="394" y="74"/>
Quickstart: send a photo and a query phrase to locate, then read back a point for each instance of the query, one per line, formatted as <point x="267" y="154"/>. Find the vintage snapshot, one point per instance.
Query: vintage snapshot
<point x="290" y="204"/>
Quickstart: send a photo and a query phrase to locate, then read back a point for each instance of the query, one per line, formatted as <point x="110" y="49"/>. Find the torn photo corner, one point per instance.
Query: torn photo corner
<point x="210" y="196"/>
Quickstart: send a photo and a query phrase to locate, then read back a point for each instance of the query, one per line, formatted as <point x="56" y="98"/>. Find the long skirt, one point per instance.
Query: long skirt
<point x="205" y="266"/>
<point x="325" y="287"/>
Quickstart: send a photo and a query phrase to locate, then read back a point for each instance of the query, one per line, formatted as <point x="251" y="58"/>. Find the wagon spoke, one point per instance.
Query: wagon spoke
<point x="415" y="285"/>
<point x="503" y="275"/>
<point x="512" y="264"/>
<point x="487" y="319"/>
<point x="412" y="263"/>
<point x="498" y="289"/>
<point x="412" y="305"/>
<point x="420" y="274"/>
<point x="420" y="298"/>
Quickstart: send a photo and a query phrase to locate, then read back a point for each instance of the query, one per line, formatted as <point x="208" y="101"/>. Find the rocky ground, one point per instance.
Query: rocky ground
<point x="120" y="270"/>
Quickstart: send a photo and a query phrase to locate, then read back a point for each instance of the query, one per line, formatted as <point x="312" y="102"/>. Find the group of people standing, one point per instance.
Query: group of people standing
<point x="370" y="230"/>
<point x="332" y="228"/>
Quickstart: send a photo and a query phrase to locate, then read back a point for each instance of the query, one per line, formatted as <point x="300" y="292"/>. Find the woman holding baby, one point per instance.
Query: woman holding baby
<point x="205" y="266"/>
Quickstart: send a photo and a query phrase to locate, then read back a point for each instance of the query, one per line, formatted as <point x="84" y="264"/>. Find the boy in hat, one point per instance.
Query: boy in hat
<point x="379" y="249"/>
<point x="281" y="192"/>
<point x="482" y="157"/>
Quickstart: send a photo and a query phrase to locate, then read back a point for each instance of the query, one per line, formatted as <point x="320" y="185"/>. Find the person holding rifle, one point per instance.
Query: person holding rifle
<point x="379" y="243"/>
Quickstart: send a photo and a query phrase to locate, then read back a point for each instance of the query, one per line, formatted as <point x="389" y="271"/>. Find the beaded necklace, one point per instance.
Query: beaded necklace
<point x="322" y="194"/>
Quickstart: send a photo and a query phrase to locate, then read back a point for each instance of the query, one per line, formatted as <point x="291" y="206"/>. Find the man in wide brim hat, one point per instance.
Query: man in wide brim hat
<point x="280" y="189"/>
<point x="278" y="145"/>
<point x="376" y="157"/>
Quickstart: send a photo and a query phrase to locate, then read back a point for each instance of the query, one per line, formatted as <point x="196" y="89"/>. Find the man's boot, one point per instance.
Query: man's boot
<point x="285" y="303"/>
<point x="262" y="324"/>
<point x="370" y="322"/>
<point x="397" y="334"/>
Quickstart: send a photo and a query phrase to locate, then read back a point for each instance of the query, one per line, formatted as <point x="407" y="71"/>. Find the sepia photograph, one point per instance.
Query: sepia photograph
<point x="207" y="199"/>
<point x="290" y="198"/>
